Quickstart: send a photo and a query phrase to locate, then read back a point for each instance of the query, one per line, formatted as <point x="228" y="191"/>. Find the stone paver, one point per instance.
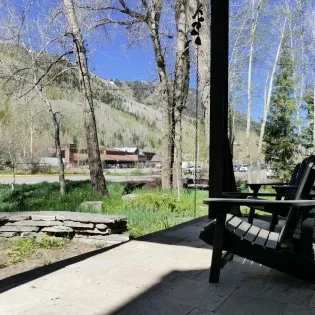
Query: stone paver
<point x="293" y="309"/>
<point x="239" y="304"/>
<point x="195" y="293"/>
<point x="147" y="306"/>
<point x="165" y="273"/>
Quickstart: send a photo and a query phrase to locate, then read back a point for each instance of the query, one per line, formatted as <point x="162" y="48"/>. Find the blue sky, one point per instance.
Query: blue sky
<point x="113" y="60"/>
<point x="110" y="58"/>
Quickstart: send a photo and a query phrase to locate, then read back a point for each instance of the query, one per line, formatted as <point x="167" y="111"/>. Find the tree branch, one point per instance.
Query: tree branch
<point x="47" y="70"/>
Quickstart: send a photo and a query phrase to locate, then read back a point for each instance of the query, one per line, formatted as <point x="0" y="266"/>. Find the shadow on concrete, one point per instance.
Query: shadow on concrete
<point x="183" y="234"/>
<point x="190" y="293"/>
<point x="167" y="296"/>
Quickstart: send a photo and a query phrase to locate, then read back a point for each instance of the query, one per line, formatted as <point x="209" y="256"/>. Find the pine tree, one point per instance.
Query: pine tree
<point x="280" y="136"/>
<point x="307" y="139"/>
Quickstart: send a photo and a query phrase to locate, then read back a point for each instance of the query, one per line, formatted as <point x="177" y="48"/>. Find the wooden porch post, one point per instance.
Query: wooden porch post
<point x="221" y="176"/>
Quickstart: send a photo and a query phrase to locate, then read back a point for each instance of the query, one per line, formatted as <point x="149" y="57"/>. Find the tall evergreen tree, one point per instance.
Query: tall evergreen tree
<point x="308" y="134"/>
<point x="280" y="135"/>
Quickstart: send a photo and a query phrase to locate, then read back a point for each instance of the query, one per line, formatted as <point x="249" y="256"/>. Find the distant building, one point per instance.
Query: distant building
<point x="52" y="161"/>
<point x="110" y="157"/>
<point x="129" y="150"/>
<point x="156" y="161"/>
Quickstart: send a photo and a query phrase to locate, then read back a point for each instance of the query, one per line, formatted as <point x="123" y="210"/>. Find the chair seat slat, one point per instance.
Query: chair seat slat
<point x="262" y="237"/>
<point x="272" y="240"/>
<point x="242" y="229"/>
<point x="229" y="217"/>
<point x="233" y="223"/>
<point x="252" y="233"/>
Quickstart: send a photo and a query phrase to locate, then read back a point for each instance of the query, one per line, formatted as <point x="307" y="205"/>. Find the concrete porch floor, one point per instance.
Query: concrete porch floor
<point x="164" y="273"/>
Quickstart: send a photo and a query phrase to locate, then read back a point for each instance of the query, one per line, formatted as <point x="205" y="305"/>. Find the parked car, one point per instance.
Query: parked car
<point x="236" y="167"/>
<point x="271" y="173"/>
<point x="244" y="168"/>
<point x="191" y="169"/>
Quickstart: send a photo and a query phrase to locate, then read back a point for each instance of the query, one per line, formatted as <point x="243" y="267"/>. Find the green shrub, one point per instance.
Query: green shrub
<point x="151" y="211"/>
<point x="51" y="242"/>
<point x="2" y="264"/>
<point x="21" y="249"/>
<point x="154" y="210"/>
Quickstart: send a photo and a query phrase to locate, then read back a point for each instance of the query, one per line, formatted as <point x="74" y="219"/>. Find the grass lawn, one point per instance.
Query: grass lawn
<point x="152" y="210"/>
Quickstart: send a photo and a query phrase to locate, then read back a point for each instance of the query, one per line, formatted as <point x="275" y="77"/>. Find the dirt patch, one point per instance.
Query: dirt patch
<point x="36" y="257"/>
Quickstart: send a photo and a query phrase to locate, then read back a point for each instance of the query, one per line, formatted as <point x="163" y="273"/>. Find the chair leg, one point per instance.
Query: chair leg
<point x="216" y="261"/>
<point x="251" y="215"/>
<point x="226" y="258"/>
<point x="274" y="221"/>
<point x="306" y="244"/>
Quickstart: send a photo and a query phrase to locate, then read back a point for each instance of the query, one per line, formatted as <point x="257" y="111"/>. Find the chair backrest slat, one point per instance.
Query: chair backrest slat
<point x="303" y="192"/>
<point x="295" y="178"/>
<point x="299" y="170"/>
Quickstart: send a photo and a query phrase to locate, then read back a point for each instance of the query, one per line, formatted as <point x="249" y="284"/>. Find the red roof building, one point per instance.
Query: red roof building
<point x="127" y="156"/>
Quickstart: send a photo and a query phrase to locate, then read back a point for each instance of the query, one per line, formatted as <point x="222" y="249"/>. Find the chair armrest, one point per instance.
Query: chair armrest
<point x="285" y="190"/>
<point x="255" y="187"/>
<point x="266" y="184"/>
<point x="227" y="203"/>
<point x="245" y="194"/>
<point x="284" y="187"/>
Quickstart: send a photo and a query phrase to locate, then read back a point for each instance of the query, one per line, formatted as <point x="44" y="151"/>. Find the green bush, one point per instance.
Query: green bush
<point x="2" y="264"/>
<point x="154" y="210"/>
<point x="21" y="249"/>
<point x="51" y="242"/>
<point x="151" y="211"/>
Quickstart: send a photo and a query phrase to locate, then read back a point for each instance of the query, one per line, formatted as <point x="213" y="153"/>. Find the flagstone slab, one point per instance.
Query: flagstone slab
<point x="156" y="307"/>
<point x="194" y="293"/>
<point x="239" y="304"/>
<point x="77" y="224"/>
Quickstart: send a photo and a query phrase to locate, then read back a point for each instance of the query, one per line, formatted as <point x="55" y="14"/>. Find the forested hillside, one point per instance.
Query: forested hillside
<point x="128" y="113"/>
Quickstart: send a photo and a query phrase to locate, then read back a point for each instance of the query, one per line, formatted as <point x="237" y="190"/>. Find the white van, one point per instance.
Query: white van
<point x="244" y="168"/>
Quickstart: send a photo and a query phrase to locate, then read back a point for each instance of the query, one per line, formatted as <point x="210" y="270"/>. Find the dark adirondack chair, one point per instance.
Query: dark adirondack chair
<point x="294" y="180"/>
<point x="285" y="251"/>
<point x="283" y="190"/>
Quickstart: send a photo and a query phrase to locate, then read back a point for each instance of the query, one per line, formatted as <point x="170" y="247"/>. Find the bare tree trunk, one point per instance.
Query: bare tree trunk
<point x="149" y="13"/>
<point x="178" y="176"/>
<point x="12" y="165"/>
<point x="62" y="181"/>
<point x="255" y="15"/>
<point x="313" y="112"/>
<point x="32" y="139"/>
<point x="167" y="112"/>
<point x="181" y="86"/>
<point x="265" y="109"/>
<point x="56" y="123"/>
<point x="298" y="99"/>
<point x="232" y="78"/>
<point x="267" y="104"/>
<point x="94" y="159"/>
<point x="298" y="116"/>
<point x="153" y="14"/>
<point x="231" y="127"/>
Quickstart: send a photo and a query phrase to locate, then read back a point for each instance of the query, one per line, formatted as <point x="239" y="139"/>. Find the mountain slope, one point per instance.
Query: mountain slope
<point x="128" y="113"/>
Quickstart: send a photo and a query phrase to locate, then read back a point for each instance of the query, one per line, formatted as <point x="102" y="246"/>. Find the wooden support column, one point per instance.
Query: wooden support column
<point x="221" y="176"/>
